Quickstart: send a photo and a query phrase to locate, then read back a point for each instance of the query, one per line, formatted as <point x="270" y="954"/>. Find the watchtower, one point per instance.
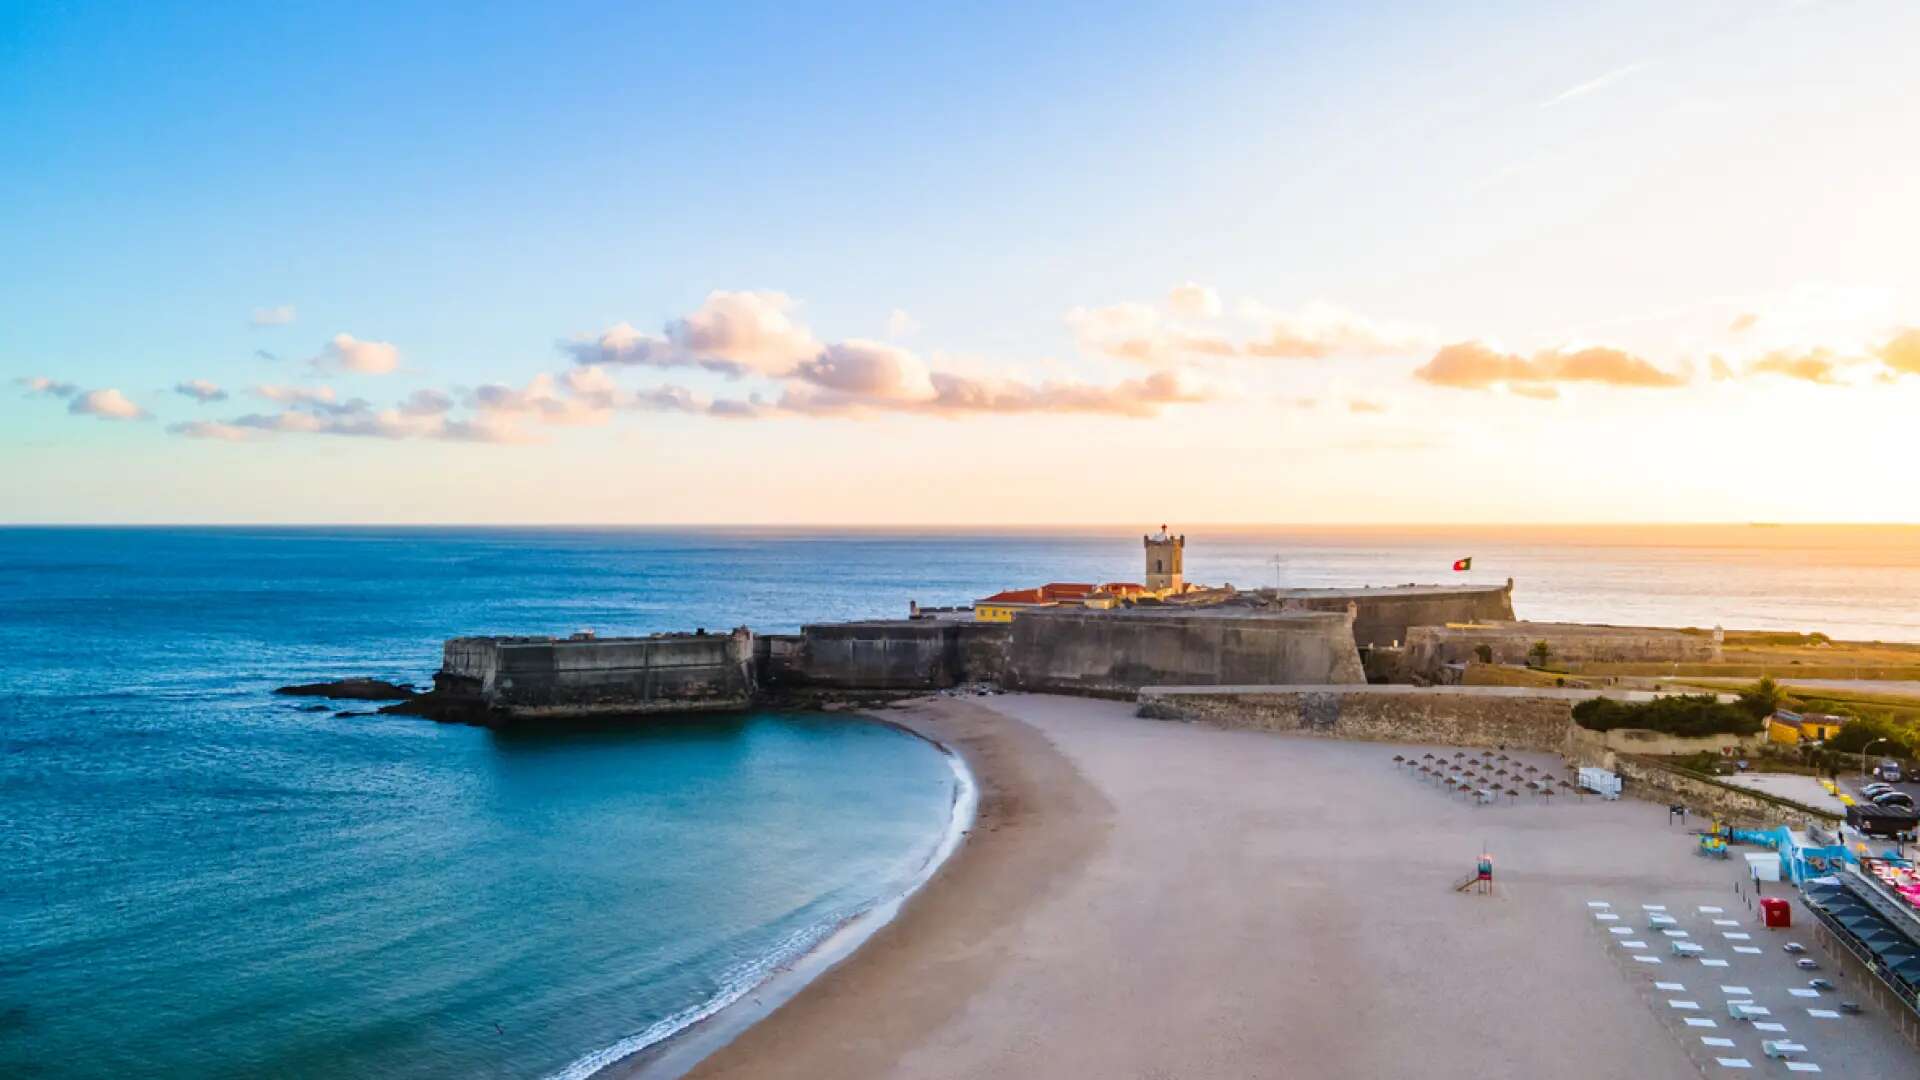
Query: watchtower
<point x="1164" y="553"/>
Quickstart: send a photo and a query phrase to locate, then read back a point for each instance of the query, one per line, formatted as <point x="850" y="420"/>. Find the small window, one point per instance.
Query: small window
<point x="1156" y="566"/>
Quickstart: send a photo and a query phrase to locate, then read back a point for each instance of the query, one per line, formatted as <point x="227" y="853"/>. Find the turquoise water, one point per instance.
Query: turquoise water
<point x="202" y="879"/>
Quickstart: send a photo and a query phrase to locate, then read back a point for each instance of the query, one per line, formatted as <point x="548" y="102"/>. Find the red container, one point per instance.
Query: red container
<point x="1776" y="912"/>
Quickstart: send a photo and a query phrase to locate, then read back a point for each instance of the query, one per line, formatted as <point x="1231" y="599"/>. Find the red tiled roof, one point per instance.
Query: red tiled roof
<point x="1016" y="596"/>
<point x="1066" y="590"/>
<point x="1122" y="588"/>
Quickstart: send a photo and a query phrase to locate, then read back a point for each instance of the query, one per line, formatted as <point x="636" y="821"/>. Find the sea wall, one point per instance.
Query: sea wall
<point x="887" y="654"/>
<point x="1119" y="652"/>
<point x="527" y="677"/>
<point x="1479" y="716"/>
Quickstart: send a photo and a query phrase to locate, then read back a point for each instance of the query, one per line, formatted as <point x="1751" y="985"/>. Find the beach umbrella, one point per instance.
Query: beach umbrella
<point x="1398" y="760"/>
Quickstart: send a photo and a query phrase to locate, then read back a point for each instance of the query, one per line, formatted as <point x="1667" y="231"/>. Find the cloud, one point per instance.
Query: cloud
<point x="540" y="399"/>
<point x="1901" y="353"/>
<point x="1320" y="330"/>
<point x="1472" y="365"/>
<point x="273" y="316"/>
<point x="344" y="352"/>
<point x="755" y="330"/>
<point x="426" y="402"/>
<point x="1534" y="391"/>
<point x="1361" y="405"/>
<point x="295" y="395"/>
<point x="957" y="394"/>
<point x="40" y="384"/>
<point x="1809" y="365"/>
<point x="1742" y="322"/>
<point x="1592" y="85"/>
<point x="869" y="371"/>
<point x="200" y="390"/>
<point x="734" y="333"/>
<point x="1134" y="332"/>
<point x="108" y="404"/>
<point x="1194" y="301"/>
<point x="212" y="429"/>
<point x="262" y="354"/>
<point x="901" y="325"/>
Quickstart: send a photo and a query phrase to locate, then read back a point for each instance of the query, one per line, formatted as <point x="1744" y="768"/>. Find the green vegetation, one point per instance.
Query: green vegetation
<point x="1540" y="654"/>
<point x="1687" y="715"/>
<point x="1762" y="699"/>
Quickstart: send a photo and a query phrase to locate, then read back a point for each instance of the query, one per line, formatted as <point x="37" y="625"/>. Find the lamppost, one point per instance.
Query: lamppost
<point x="1863" y="754"/>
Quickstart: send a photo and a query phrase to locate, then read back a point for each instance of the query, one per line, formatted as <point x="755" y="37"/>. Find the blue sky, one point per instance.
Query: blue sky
<point x="475" y="185"/>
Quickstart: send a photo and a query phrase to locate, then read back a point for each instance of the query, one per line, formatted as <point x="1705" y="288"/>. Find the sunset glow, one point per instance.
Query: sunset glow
<point x="1354" y="263"/>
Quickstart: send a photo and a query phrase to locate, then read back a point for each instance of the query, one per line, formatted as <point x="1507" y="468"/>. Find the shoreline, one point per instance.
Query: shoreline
<point x="712" y="1026"/>
<point x="1038" y="825"/>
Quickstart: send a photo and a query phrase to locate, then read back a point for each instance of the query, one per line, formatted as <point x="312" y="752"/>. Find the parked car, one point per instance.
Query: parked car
<point x="1894" y="798"/>
<point x="1888" y="770"/>
<point x="1876" y="788"/>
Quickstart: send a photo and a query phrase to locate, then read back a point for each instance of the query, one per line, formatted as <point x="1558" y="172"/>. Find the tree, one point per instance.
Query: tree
<point x="1540" y="654"/>
<point x="1762" y="699"/>
<point x="1483" y="652"/>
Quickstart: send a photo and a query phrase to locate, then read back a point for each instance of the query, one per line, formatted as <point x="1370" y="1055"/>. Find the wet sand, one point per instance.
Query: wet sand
<point x="1151" y="899"/>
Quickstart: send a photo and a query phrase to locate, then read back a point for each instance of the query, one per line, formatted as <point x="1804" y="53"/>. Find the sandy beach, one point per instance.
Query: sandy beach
<point x="1152" y="899"/>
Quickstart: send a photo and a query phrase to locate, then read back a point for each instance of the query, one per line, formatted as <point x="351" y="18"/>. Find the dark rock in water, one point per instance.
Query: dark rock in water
<point x="315" y="708"/>
<point x="352" y="690"/>
<point x="350" y="712"/>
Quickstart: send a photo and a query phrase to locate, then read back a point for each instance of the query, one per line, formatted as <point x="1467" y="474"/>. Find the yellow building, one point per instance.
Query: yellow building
<point x="1792" y="728"/>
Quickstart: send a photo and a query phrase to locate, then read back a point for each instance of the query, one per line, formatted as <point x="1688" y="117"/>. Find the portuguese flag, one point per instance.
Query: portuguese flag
<point x="1463" y="564"/>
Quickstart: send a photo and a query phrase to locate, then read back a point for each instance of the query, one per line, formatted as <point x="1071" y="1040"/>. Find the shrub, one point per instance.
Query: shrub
<point x="1688" y="716"/>
<point x="1762" y="699"/>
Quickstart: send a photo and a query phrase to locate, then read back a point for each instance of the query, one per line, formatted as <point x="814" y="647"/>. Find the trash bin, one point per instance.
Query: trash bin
<point x="1776" y="912"/>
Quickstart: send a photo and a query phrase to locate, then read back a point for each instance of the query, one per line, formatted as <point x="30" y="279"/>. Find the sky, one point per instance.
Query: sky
<point x="984" y="265"/>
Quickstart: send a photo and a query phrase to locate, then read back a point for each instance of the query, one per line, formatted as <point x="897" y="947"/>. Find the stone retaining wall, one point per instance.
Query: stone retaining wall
<point x="1478" y="716"/>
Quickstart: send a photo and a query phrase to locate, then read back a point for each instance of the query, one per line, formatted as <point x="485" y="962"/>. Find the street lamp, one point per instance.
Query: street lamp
<point x="1863" y="754"/>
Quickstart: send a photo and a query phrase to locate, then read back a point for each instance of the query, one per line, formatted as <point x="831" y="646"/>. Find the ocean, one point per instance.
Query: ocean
<point x="202" y="878"/>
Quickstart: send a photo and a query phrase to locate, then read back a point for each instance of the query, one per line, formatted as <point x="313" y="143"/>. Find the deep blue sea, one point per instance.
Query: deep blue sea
<point x="198" y="878"/>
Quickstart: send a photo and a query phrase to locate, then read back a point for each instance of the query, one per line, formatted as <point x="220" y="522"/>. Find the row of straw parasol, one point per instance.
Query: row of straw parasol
<point x="1499" y="773"/>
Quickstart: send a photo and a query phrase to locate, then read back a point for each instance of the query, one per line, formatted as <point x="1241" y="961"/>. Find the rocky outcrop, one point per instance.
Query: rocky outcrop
<point x="352" y="690"/>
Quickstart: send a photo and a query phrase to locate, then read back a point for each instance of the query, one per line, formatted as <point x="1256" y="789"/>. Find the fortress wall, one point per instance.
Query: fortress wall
<point x="1430" y="647"/>
<point x="1118" y="653"/>
<point x="512" y="678"/>
<point x="1384" y="616"/>
<point x="983" y="651"/>
<point x="887" y="655"/>
<point x="1487" y="717"/>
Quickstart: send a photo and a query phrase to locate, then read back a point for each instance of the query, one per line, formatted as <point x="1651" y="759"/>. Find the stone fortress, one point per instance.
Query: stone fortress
<point x="1113" y="639"/>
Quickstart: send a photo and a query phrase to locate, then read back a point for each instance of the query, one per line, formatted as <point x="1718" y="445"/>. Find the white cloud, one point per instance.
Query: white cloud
<point x="40" y="384"/>
<point x="273" y="316"/>
<point x="868" y="370"/>
<point x="1321" y="330"/>
<point x="901" y="325"/>
<point x="755" y="330"/>
<point x="1194" y="301"/>
<point x="348" y="353"/>
<point x="200" y="390"/>
<point x="296" y="395"/>
<point x="212" y="429"/>
<point x="107" y="404"/>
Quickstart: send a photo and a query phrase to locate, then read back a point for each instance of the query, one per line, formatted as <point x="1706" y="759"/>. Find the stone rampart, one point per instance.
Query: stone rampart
<point x="1431" y="647"/>
<point x="1478" y="716"/>
<point x="1383" y="616"/>
<point x="1118" y="652"/>
<point x="500" y="679"/>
